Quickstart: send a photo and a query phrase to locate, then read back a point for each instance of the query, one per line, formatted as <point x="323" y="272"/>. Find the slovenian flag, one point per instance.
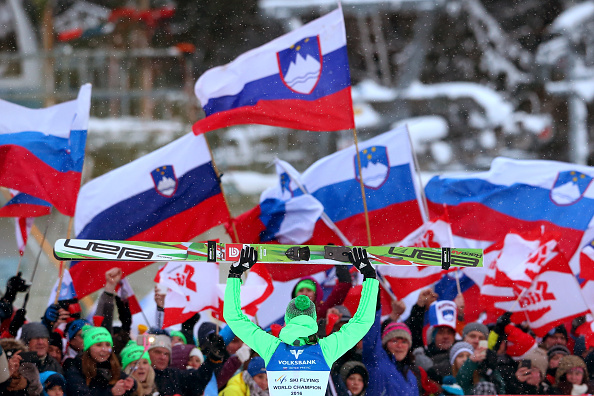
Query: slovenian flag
<point x="171" y="194"/>
<point x="42" y="150"/>
<point x="300" y="80"/>
<point x="516" y="195"/>
<point x="25" y="205"/>
<point x="392" y="191"/>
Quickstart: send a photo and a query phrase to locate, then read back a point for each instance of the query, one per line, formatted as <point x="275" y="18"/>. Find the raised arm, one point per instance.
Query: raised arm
<point x="260" y="341"/>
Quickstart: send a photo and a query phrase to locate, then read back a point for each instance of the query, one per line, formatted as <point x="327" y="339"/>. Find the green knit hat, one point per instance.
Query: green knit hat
<point x="179" y="334"/>
<point x="307" y="284"/>
<point x="300" y="319"/>
<point x="93" y="335"/>
<point x="133" y="352"/>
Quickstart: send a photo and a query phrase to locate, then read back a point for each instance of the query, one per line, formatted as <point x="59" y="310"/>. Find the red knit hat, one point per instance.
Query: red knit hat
<point x="518" y="342"/>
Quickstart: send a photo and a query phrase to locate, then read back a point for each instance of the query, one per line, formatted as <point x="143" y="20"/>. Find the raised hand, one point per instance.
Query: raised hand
<point x="247" y="259"/>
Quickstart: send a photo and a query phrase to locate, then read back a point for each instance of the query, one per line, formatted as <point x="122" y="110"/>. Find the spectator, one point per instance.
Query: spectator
<point x="36" y="337"/>
<point x="53" y="383"/>
<point x="475" y="332"/>
<point x="137" y="364"/>
<point x="172" y="381"/>
<point x="572" y="377"/>
<point x="530" y="380"/>
<point x="16" y="284"/>
<point x="177" y="337"/>
<point x="441" y="336"/>
<point x="196" y="359"/>
<point x="355" y="376"/>
<point x="55" y="346"/>
<point x="97" y="371"/>
<point x="252" y="382"/>
<point x="476" y="372"/>
<point x="555" y="353"/>
<point x="556" y="336"/>
<point x="309" y="287"/>
<point x="389" y="360"/>
<point x="23" y="376"/>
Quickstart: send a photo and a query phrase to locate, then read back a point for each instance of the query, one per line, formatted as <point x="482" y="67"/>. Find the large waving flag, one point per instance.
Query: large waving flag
<point x="280" y="216"/>
<point x="194" y="287"/>
<point x="171" y="194"/>
<point x="530" y="266"/>
<point x="300" y="80"/>
<point x="42" y="150"/>
<point x="392" y="191"/>
<point x="25" y="205"/>
<point x="516" y="194"/>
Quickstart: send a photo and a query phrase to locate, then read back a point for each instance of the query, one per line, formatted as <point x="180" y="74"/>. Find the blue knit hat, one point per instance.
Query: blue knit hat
<point x="75" y="327"/>
<point x="256" y="366"/>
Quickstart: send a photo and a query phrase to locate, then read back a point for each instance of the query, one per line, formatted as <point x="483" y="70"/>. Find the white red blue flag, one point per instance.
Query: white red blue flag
<point x="194" y="287"/>
<point x="67" y="291"/>
<point x="43" y="150"/>
<point x="516" y="195"/>
<point x="300" y="80"/>
<point x="170" y="194"/>
<point x="281" y="216"/>
<point x="25" y="205"/>
<point x="392" y="191"/>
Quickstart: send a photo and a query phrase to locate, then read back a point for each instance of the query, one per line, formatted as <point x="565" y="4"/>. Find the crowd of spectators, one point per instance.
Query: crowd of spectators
<point x="433" y="352"/>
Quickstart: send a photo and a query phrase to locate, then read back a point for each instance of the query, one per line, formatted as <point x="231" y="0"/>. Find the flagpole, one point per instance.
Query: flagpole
<point x="38" y="256"/>
<point x="324" y="216"/>
<point x="61" y="270"/>
<point x="234" y="237"/>
<point x="362" y="188"/>
<point x="418" y="172"/>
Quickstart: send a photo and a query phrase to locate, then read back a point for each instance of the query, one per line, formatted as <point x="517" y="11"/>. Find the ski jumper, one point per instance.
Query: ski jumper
<point x="295" y="366"/>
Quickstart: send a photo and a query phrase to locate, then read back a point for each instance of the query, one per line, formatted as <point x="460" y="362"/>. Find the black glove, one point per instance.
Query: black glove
<point x="502" y="321"/>
<point x="188" y="328"/>
<point x="342" y="274"/>
<point x="215" y="345"/>
<point x="247" y="259"/>
<point x="52" y="313"/>
<point x="17" y="321"/>
<point x="15" y="285"/>
<point x="358" y="257"/>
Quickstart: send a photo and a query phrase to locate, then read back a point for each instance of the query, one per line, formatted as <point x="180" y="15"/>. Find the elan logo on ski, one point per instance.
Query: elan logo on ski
<point x="233" y="251"/>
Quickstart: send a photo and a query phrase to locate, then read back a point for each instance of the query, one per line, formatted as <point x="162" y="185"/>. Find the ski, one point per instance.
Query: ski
<point x="101" y="250"/>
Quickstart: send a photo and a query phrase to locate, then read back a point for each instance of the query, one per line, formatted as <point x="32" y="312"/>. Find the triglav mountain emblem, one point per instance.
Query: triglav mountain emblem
<point x="165" y="180"/>
<point x="375" y="166"/>
<point x="301" y="65"/>
<point x="569" y="187"/>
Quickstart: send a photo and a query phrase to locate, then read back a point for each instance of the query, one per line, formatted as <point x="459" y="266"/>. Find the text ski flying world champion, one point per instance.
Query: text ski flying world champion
<point x="297" y="362"/>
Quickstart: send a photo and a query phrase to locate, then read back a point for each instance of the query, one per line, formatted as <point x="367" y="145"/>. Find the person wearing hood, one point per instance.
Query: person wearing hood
<point x="53" y="383"/>
<point x="251" y="382"/>
<point x="572" y="377"/>
<point x="355" y="377"/>
<point x="297" y="361"/>
<point x="309" y="287"/>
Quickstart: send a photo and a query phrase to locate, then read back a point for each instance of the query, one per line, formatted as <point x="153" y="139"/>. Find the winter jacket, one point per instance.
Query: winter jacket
<point x="76" y="384"/>
<point x="49" y="364"/>
<point x="515" y="387"/>
<point x="466" y="375"/>
<point x="236" y="387"/>
<point x="386" y="375"/>
<point x="173" y="381"/>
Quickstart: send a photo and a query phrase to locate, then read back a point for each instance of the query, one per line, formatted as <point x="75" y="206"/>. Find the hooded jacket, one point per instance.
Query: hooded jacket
<point x="299" y="328"/>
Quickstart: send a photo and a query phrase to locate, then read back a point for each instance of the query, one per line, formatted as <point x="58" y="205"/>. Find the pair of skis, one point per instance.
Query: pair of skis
<point x="107" y="250"/>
